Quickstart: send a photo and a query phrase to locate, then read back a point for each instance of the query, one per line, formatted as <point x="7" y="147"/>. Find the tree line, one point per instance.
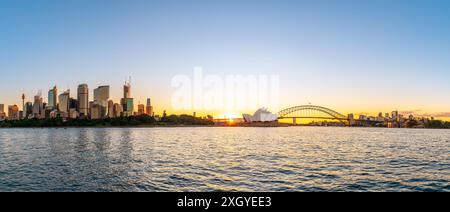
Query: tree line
<point x="143" y="120"/>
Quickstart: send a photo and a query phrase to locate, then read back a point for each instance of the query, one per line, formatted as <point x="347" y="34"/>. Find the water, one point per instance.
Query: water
<point x="225" y="159"/>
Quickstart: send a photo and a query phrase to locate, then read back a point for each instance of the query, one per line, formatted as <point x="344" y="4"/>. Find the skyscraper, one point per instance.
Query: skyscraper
<point x="149" y="108"/>
<point x="101" y="96"/>
<point x="2" y="112"/>
<point x="127" y="101"/>
<point x="28" y="109"/>
<point x="110" y="109"/>
<point x="141" y="109"/>
<point x="13" y="112"/>
<point x="127" y="90"/>
<point x="64" y="101"/>
<point x="52" y="98"/>
<point x="38" y="106"/>
<point x="83" y="99"/>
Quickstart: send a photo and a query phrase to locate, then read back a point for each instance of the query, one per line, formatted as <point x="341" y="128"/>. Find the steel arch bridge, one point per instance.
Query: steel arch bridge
<point x="310" y="111"/>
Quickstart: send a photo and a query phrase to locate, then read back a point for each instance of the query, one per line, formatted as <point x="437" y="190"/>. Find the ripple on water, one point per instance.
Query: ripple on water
<point x="224" y="159"/>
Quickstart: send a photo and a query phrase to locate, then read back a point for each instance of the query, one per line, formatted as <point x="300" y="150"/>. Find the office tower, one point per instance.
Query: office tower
<point x="97" y="111"/>
<point x="110" y="109"/>
<point x="52" y="98"/>
<point x="141" y="110"/>
<point x="2" y="112"/>
<point x="83" y="100"/>
<point x="28" y="109"/>
<point x="13" y="112"/>
<point x="38" y="106"/>
<point x="117" y="110"/>
<point x="101" y="93"/>
<point x="127" y="90"/>
<point x="149" y="108"/>
<point x="127" y="101"/>
<point x="64" y="102"/>
<point x="101" y="96"/>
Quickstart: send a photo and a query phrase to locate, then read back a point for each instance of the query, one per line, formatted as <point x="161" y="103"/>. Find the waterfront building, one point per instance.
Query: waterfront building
<point x="73" y="113"/>
<point x="13" y="112"/>
<point x="141" y="110"/>
<point x="52" y="98"/>
<point x="351" y="119"/>
<point x="28" y="109"/>
<point x="101" y="96"/>
<point x="149" y="108"/>
<point x="83" y="100"/>
<point x="97" y="111"/>
<point x="38" y="107"/>
<point x="127" y="101"/>
<point x="2" y="112"/>
<point x="110" y="109"/>
<point x="117" y="110"/>
<point x="261" y="115"/>
<point x="64" y="102"/>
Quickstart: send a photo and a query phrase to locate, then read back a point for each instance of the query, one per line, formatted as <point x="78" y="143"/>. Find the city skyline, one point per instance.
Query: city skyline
<point x="356" y="57"/>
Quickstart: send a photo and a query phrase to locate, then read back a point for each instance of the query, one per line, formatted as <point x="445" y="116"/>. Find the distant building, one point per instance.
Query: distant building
<point x="101" y="95"/>
<point x="73" y="113"/>
<point x="83" y="100"/>
<point x="110" y="109"/>
<point x="13" y="112"/>
<point x="117" y="110"/>
<point x="52" y="98"/>
<point x="149" y="108"/>
<point x="127" y="101"/>
<point x="261" y="115"/>
<point x="38" y="107"/>
<point x="97" y="111"/>
<point x="2" y="112"/>
<point x="141" y="110"/>
<point x="28" y="109"/>
<point x="64" y="101"/>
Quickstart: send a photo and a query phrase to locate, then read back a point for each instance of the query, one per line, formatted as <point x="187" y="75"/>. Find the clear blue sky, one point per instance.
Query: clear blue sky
<point x="358" y="56"/>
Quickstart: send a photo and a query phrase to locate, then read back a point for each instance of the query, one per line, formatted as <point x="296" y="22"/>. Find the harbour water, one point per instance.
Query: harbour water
<point x="225" y="159"/>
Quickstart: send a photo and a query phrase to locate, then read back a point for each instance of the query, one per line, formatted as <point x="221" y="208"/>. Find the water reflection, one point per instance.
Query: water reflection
<point x="224" y="159"/>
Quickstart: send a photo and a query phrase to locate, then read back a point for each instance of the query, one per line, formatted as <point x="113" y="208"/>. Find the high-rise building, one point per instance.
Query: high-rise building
<point x="97" y="111"/>
<point x="141" y="110"/>
<point x="52" y="98"/>
<point x="101" y="94"/>
<point x="83" y="100"/>
<point x="127" y="101"/>
<point x="13" y="112"/>
<point x="64" y="102"/>
<point x="127" y="90"/>
<point x="28" y="109"/>
<point x="38" y="106"/>
<point x="149" y="108"/>
<point x="110" y="109"/>
<point x="117" y="110"/>
<point x="2" y="112"/>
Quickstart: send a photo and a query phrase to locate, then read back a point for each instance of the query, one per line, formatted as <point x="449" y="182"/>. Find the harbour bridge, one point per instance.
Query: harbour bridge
<point x="311" y="112"/>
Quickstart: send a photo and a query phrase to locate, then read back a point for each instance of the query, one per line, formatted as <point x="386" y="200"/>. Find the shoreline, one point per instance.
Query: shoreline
<point x="207" y="126"/>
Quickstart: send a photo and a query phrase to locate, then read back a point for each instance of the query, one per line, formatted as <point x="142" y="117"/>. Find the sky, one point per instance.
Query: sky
<point x="353" y="56"/>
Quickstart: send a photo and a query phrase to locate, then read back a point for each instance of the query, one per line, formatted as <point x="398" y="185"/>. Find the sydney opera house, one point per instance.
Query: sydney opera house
<point x="261" y="115"/>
